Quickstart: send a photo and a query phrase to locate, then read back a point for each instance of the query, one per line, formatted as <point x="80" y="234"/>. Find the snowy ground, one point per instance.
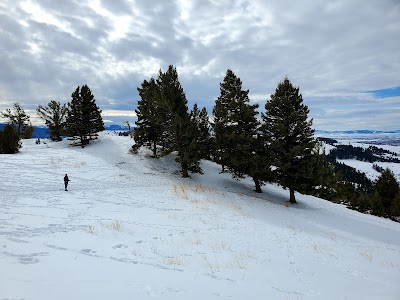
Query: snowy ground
<point x="129" y="228"/>
<point x="367" y="168"/>
<point x="365" y="141"/>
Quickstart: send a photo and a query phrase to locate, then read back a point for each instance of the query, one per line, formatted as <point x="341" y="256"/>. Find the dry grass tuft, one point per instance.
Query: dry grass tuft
<point x="115" y="225"/>
<point x="174" y="260"/>
<point x="91" y="229"/>
<point x="212" y="265"/>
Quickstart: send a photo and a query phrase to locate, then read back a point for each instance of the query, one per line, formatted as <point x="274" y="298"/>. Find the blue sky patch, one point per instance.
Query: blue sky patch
<point x="386" y="93"/>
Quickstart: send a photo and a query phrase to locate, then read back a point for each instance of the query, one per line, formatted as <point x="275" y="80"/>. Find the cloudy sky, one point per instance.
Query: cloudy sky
<point x="344" y="55"/>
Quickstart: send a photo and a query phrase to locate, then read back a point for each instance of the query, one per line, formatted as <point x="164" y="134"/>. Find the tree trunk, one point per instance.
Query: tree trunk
<point x="184" y="171"/>
<point x="82" y="141"/>
<point x="292" y="197"/>
<point x="257" y="183"/>
<point x="155" y="150"/>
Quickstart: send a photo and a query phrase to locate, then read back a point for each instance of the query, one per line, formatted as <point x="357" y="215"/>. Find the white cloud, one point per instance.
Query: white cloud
<point x="118" y="113"/>
<point x="334" y="51"/>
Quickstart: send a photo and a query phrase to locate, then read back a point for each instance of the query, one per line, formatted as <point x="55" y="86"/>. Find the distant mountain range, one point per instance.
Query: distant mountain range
<point x="362" y="131"/>
<point x="40" y="131"/>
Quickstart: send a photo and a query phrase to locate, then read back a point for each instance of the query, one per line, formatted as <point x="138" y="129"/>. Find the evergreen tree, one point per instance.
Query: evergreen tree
<point x="290" y="137"/>
<point x="148" y="129"/>
<point x="173" y="107"/>
<point x="84" y="116"/>
<point x="376" y="205"/>
<point x="178" y="133"/>
<point x="362" y="184"/>
<point x="229" y="87"/>
<point x="236" y="131"/>
<point x="188" y="147"/>
<point x="20" y="120"/>
<point x="364" y="204"/>
<point x="345" y="192"/>
<point x="261" y="161"/>
<point x="395" y="209"/>
<point x="387" y="188"/>
<point x="27" y="131"/>
<point x="9" y="140"/>
<point x="163" y="119"/>
<point x="203" y="139"/>
<point x="324" y="180"/>
<point x="54" y="115"/>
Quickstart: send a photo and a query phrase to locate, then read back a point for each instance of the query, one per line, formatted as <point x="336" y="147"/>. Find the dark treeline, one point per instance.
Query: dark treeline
<point x="327" y="140"/>
<point x="377" y="168"/>
<point x="354" y="189"/>
<point x="370" y="154"/>
<point x="362" y="184"/>
<point x="357" y="191"/>
<point x="383" y="200"/>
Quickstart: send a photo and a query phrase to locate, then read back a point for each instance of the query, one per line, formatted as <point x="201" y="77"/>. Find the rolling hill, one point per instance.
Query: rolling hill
<point x="130" y="228"/>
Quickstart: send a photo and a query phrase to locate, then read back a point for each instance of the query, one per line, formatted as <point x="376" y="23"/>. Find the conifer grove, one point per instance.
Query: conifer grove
<point x="269" y="143"/>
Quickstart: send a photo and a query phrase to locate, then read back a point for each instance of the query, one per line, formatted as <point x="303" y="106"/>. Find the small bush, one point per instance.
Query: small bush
<point x="9" y="140"/>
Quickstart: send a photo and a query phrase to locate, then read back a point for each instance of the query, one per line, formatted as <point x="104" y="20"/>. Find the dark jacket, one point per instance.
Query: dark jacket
<point x="66" y="179"/>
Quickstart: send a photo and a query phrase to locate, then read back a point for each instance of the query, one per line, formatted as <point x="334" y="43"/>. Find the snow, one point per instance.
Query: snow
<point x="130" y="228"/>
<point x="367" y="167"/>
<point x="395" y="149"/>
<point x="327" y="148"/>
<point x="371" y="173"/>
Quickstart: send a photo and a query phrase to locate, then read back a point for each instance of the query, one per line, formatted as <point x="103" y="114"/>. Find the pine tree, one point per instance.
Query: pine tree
<point x="83" y="117"/>
<point x="54" y="115"/>
<point x="163" y="119"/>
<point x="27" y="131"/>
<point x="236" y="131"/>
<point x="290" y="137"/>
<point x="148" y="129"/>
<point x="173" y="106"/>
<point x="203" y="139"/>
<point x="387" y="188"/>
<point x="178" y="132"/>
<point x="91" y="113"/>
<point x="229" y="87"/>
<point x="188" y="147"/>
<point x="395" y="208"/>
<point x="9" y="140"/>
<point x="323" y="182"/>
<point x="20" y="120"/>
<point x="344" y="190"/>
<point x="364" y="204"/>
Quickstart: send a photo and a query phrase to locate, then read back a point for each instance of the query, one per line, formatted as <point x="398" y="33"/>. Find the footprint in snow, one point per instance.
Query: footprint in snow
<point x="88" y="251"/>
<point x="120" y="246"/>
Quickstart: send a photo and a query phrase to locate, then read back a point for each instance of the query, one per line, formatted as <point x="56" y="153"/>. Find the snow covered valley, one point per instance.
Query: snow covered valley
<point x="130" y="228"/>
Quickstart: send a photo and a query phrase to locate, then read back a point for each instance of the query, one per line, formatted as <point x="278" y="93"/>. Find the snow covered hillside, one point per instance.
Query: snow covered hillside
<point x="385" y="141"/>
<point x="130" y="228"/>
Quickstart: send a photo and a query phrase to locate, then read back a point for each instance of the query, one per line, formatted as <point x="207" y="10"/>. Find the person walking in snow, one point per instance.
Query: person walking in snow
<point x="66" y="180"/>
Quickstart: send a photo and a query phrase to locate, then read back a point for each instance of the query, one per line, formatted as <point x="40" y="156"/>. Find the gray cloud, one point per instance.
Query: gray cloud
<point x="333" y="50"/>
